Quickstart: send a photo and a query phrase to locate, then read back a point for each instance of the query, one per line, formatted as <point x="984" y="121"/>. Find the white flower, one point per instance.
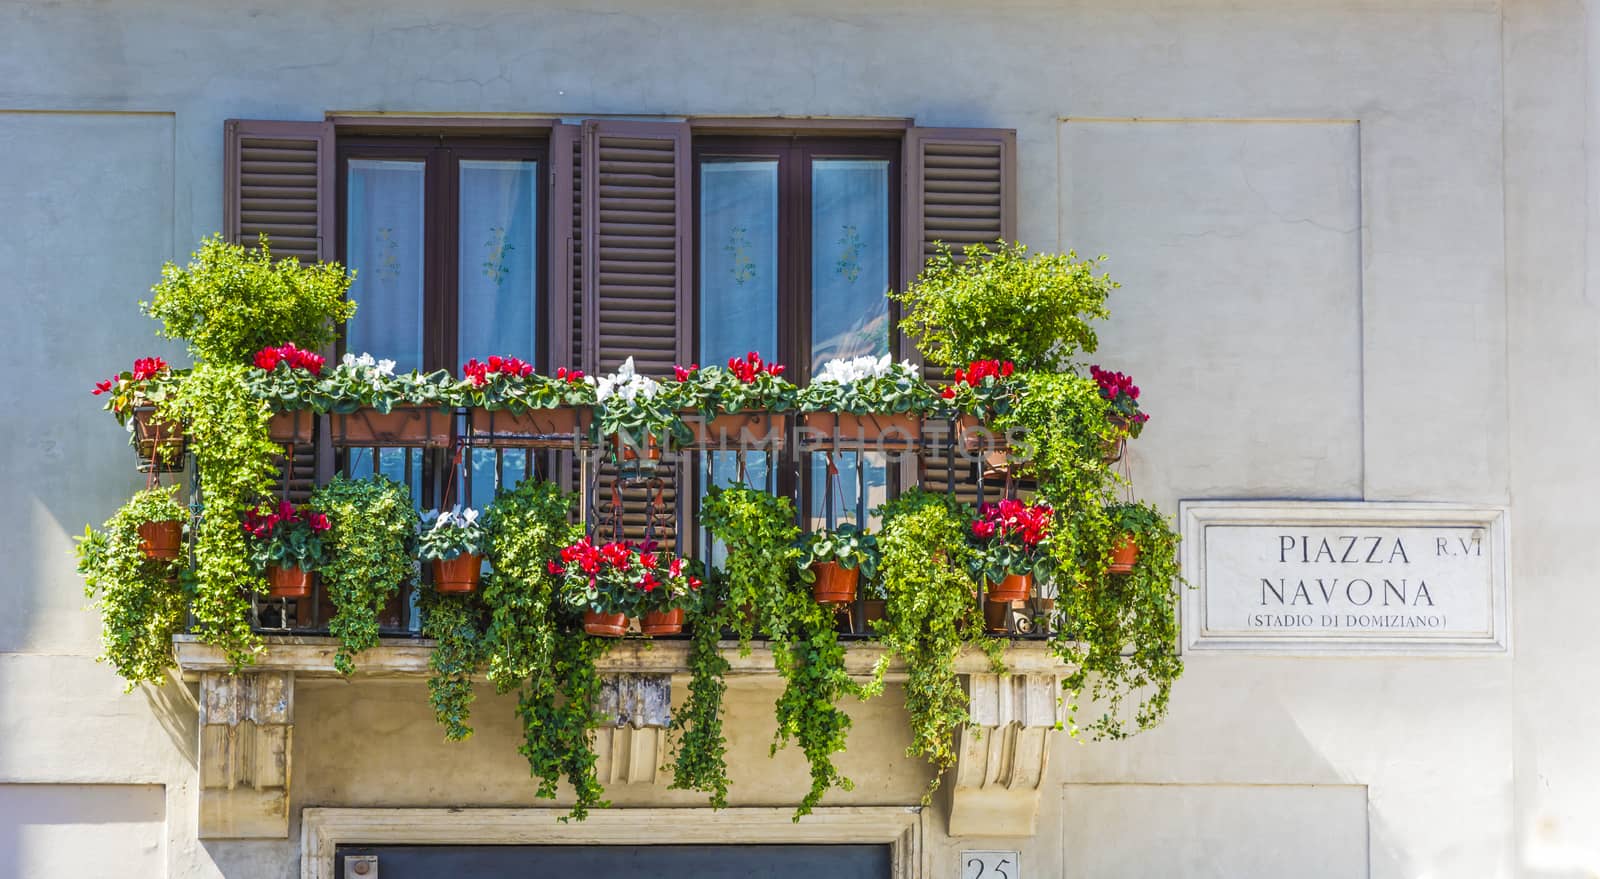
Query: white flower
<point x="626" y="384"/>
<point x="434" y="520"/>
<point x="386" y="367"/>
<point x="864" y="368"/>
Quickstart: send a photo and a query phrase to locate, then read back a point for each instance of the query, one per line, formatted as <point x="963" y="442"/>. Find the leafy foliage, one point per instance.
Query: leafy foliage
<point x="229" y="302"/>
<point x="846" y="544"/>
<point x="233" y="459"/>
<point x="759" y="532"/>
<point x="557" y="709"/>
<point x="442" y="536"/>
<point x="1011" y="537"/>
<point x="748" y="384"/>
<point x="700" y="759"/>
<point x="623" y="577"/>
<point x="141" y="602"/>
<point x="370" y="543"/>
<point x="1003" y="303"/>
<point x="286" y="536"/>
<point x="456" y="622"/>
<point x="882" y="387"/>
<point x="1120" y="631"/>
<point x="526" y="526"/>
<point x="932" y="613"/>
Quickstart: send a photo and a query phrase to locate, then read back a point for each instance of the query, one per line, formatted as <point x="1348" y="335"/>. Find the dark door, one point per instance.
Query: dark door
<point x="623" y="861"/>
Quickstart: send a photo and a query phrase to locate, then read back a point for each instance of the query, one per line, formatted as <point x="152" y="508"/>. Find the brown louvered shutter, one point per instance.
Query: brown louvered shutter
<point x="634" y="183"/>
<point x="278" y="181"/>
<point x="960" y="188"/>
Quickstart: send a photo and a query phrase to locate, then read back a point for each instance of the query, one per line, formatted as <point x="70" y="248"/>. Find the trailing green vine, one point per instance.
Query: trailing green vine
<point x="227" y="429"/>
<point x="370" y="550"/>
<point x="760" y="535"/>
<point x="526" y="527"/>
<point x="932" y="614"/>
<point x="557" y="709"/>
<point x="700" y="762"/>
<point x="455" y="623"/>
<point x="141" y="602"/>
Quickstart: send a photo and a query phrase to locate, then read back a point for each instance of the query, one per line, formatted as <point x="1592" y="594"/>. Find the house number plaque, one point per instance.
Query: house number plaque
<point x="990" y="865"/>
<point x="1299" y="577"/>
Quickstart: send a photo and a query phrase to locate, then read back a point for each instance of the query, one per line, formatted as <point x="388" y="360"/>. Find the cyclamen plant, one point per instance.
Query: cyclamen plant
<point x="748" y="383"/>
<point x="848" y="545"/>
<point x="365" y="381"/>
<point x="512" y="384"/>
<point x="636" y="408"/>
<point x="148" y="383"/>
<point x="286" y="536"/>
<point x="983" y="389"/>
<point x="623" y="577"/>
<point x="442" y="536"/>
<point x="868" y="384"/>
<point x="1011" y="537"/>
<point x="1119" y="390"/>
<point x="286" y="377"/>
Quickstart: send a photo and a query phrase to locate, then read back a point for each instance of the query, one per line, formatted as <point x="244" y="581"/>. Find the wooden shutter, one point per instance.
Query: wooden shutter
<point x="960" y="188"/>
<point x="634" y="183"/>
<point x="278" y="180"/>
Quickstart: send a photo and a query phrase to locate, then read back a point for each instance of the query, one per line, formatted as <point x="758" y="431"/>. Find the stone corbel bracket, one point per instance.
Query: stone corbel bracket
<point x="1002" y="758"/>
<point x="246" y="730"/>
<point x="630" y="747"/>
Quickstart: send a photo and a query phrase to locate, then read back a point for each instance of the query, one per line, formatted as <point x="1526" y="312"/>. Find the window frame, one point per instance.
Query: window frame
<point x="441" y="155"/>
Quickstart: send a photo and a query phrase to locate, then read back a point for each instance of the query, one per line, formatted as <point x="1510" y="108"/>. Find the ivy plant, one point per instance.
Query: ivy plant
<point x="526" y="527"/>
<point x="230" y="302"/>
<point x="1118" y="633"/>
<point x="932" y="613"/>
<point x="558" y="713"/>
<point x="456" y="623"/>
<point x="370" y="556"/>
<point x="233" y="461"/>
<point x="700" y="754"/>
<point x="1004" y="303"/>
<point x="142" y="604"/>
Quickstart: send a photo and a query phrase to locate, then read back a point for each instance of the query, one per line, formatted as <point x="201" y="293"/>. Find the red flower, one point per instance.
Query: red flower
<point x="1007" y="368"/>
<point x="102" y="388"/>
<point x="983" y="529"/>
<point x="615" y="554"/>
<point x="555" y="567"/>
<point x="647" y="559"/>
<point x="267" y="358"/>
<point x="694" y="582"/>
<point x="649" y="582"/>
<point x="676" y="567"/>
<point x="948" y="393"/>
<point x="319" y="522"/>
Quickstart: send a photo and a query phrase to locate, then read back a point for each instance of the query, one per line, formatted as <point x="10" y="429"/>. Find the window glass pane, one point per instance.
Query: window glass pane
<point x="497" y="267"/>
<point x="494" y="470"/>
<point x="859" y="486"/>
<point x="384" y="242"/>
<point x="849" y="259"/>
<point x="738" y="259"/>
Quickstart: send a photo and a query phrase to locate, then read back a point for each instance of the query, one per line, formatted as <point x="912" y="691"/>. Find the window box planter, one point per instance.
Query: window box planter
<point x="291" y="428"/>
<point x="659" y="622"/>
<point x="288" y="582"/>
<point x="160" y="443"/>
<point x="558" y="428"/>
<point x="161" y="540"/>
<point x="457" y="576"/>
<point x="872" y="430"/>
<point x="737" y="430"/>
<point x="426" y="426"/>
<point x="1015" y="587"/>
<point x="605" y="625"/>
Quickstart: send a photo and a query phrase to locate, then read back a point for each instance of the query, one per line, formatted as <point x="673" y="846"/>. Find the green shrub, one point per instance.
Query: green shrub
<point x="141" y="602"/>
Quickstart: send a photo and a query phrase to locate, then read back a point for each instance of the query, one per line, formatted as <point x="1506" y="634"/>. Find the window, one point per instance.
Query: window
<point x="796" y="252"/>
<point x="445" y="236"/>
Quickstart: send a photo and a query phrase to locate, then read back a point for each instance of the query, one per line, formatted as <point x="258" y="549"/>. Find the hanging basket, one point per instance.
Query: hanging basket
<point x="605" y="625"/>
<point x="408" y="426"/>
<point x="1015" y="587"/>
<point x="457" y="576"/>
<point x="161" y="540"/>
<point x="874" y="431"/>
<point x="662" y="622"/>
<point x="976" y="436"/>
<point x="559" y="428"/>
<point x="288" y="582"/>
<point x="1124" y="555"/>
<point x="291" y="428"/>
<point x="835" y="583"/>
<point x="159" y="442"/>
<point x="1111" y="450"/>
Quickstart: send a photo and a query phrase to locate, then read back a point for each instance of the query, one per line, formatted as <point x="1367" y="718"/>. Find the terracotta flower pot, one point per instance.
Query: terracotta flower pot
<point x="975" y="435"/>
<point x="605" y="625"/>
<point x="836" y="584"/>
<point x="289" y="428"/>
<point x="1111" y="450"/>
<point x="557" y="428"/>
<point x="1015" y="587"/>
<point x="407" y="426"/>
<point x="880" y="431"/>
<point x="1124" y="553"/>
<point x="288" y="582"/>
<point x="737" y="430"/>
<point x="662" y="622"/>
<point x="459" y="575"/>
<point x="161" y="540"/>
<point x="997" y="617"/>
<point x="160" y="443"/>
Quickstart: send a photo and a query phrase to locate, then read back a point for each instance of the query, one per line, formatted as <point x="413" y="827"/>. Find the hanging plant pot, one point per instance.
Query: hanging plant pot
<point x="627" y="451"/>
<point x="1015" y="587"/>
<point x="412" y="426"/>
<point x="605" y="625"/>
<point x="1124" y="554"/>
<point x="737" y="430"/>
<point x="835" y="584"/>
<point x="997" y="617"/>
<point x="160" y="443"/>
<point x="662" y="622"/>
<point x="291" y="428"/>
<point x="1111" y="450"/>
<point x="558" y="428"/>
<point x="288" y="582"/>
<point x="457" y="576"/>
<point x="161" y="540"/>
<point x="976" y="436"/>
<point x="873" y="430"/>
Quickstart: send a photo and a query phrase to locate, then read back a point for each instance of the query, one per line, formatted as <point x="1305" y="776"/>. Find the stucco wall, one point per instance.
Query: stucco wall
<point x="1353" y="239"/>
